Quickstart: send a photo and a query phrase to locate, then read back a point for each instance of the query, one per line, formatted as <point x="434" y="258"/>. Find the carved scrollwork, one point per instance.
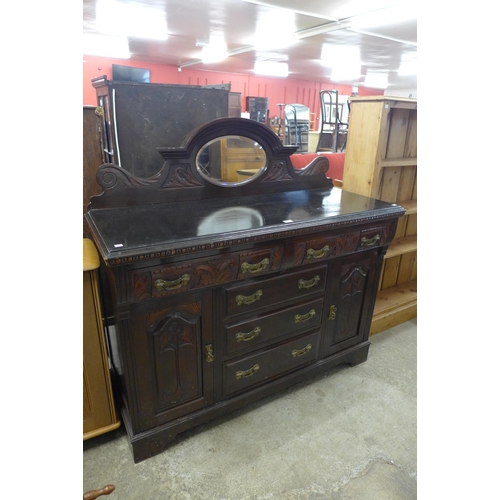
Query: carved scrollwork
<point x="217" y="271"/>
<point x="109" y="176"/>
<point x="345" y="243"/>
<point x="181" y="177"/>
<point x="277" y="171"/>
<point x="319" y="165"/>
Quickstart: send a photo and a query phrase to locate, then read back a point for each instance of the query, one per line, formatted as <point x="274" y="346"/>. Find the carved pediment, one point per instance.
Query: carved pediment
<point x="227" y="157"/>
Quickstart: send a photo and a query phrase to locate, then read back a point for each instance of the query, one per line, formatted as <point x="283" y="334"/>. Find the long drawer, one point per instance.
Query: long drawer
<point x="258" y="294"/>
<point x="249" y="371"/>
<point x="269" y="327"/>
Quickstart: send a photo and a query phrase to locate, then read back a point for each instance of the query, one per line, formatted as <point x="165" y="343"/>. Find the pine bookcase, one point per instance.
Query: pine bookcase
<point x="381" y="162"/>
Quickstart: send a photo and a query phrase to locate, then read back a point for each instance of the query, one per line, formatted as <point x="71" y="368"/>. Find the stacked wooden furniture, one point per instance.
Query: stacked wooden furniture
<point x="99" y="415"/>
<point x="381" y="162"/>
<point x="225" y="293"/>
<point x="138" y="117"/>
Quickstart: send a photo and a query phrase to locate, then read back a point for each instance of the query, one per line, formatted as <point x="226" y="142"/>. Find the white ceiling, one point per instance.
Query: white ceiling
<point x="192" y="24"/>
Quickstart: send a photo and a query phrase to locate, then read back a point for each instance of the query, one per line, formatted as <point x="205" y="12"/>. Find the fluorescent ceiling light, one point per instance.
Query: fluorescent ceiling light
<point x="214" y="51"/>
<point x="131" y="19"/>
<point x="408" y="67"/>
<point x="267" y="37"/>
<point x="212" y="54"/>
<point x="376" y="81"/>
<point x="394" y="14"/>
<point x="271" y="68"/>
<point x="344" y="61"/>
<point x="106" y="46"/>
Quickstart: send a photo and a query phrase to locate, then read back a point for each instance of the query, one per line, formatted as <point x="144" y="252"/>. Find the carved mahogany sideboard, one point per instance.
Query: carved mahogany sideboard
<point x="227" y="292"/>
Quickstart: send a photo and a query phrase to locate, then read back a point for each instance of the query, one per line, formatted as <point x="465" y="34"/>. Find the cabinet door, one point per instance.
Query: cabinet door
<point x="173" y="362"/>
<point x="351" y="302"/>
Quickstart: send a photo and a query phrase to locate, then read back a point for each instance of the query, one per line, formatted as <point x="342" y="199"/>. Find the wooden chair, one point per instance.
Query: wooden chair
<point x="93" y="494"/>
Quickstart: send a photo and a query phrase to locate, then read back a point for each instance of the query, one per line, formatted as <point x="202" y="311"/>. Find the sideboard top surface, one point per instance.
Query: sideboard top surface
<point x="171" y="227"/>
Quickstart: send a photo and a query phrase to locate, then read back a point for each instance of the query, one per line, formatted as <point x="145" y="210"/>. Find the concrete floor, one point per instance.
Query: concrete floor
<point x="348" y="434"/>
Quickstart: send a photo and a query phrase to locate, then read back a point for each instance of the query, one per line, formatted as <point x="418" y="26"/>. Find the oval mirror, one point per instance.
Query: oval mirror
<point x="231" y="160"/>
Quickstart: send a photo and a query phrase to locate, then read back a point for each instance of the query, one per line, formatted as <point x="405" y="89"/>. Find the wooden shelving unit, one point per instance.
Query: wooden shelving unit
<point x="381" y="162"/>
<point x="99" y="414"/>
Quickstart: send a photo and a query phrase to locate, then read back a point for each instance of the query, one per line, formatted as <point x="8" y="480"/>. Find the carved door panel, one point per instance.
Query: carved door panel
<point x="351" y="301"/>
<point x="173" y="356"/>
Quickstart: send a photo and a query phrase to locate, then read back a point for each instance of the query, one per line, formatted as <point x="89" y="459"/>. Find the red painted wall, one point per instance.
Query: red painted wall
<point x="277" y="90"/>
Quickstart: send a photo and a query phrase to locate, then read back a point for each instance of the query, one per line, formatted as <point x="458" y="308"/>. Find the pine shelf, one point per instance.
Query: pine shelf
<point x="398" y="162"/>
<point x="410" y="205"/>
<point x="393" y="306"/>
<point x="401" y="246"/>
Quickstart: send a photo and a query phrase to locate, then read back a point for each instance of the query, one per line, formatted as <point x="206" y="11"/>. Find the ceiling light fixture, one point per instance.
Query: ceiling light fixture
<point x="392" y="14"/>
<point x="131" y="19"/>
<point x="212" y="54"/>
<point x="271" y="68"/>
<point x="321" y="29"/>
<point x="344" y="60"/>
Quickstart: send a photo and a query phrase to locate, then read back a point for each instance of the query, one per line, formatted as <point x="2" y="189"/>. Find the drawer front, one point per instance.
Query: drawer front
<point x="169" y="279"/>
<point x="263" y="293"/>
<point x="261" y="261"/>
<point x="262" y="330"/>
<point x="309" y="250"/>
<point x="373" y="237"/>
<point x="261" y="367"/>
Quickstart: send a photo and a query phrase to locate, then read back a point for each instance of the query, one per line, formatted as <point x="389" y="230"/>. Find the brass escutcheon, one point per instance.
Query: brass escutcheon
<point x="333" y="313"/>
<point x="209" y="353"/>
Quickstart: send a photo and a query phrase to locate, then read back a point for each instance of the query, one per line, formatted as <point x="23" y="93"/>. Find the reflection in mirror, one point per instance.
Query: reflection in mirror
<point x="231" y="160"/>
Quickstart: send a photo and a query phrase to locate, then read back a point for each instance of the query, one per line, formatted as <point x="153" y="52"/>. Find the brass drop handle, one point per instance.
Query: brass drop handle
<point x="303" y="318"/>
<point x="172" y="285"/>
<point x="308" y="283"/>
<point x="333" y="313"/>
<point x="254" y="268"/>
<point x="245" y="337"/>
<point x="316" y="254"/>
<point x="247" y="373"/>
<point x="368" y="242"/>
<point x="301" y="352"/>
<point x="245" y="300"/>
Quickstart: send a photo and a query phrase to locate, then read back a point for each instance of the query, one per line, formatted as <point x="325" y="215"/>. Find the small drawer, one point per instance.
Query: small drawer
<point x="257" y="368"/>
<point x="260" y="261"/>
<point x="173" y="279"/>
<point x="259" y="294"/>
<point x="321" y="248"/>
<point x="262" y="330"/>
<point x="373" y="237"/>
